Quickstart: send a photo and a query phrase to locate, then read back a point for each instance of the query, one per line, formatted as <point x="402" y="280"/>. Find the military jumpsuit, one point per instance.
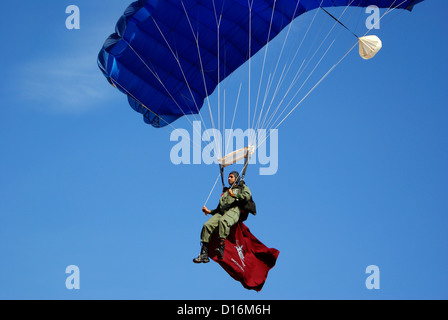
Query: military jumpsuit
<point x="226" y="214"/>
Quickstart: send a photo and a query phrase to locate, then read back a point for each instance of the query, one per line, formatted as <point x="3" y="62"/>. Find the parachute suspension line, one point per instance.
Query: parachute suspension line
<point x="218" y="25"/>
<point x="223" y="125"/>
<point x="211" y="191"/>
<point x="116" y="83"/>
<point x="393" y="9"/>
<point x="264" y="63"/>
<point x="176" y="57"/>
<point x="233" y="119"/>
<point x="196" y="38"/>
<point x="390" y="9"/>
<point x="303" y="84"/>
<point x="334" y="66"/>
<point x="312" y="72"/>
<point x="297" y="76"/>
<point x="221" y="168"/>
<point x="315" y="86"/>
<point x="249" y="4"/>
<point x="361" y="15"/>
<point x="300" y="72"/>
<point x="160" y="81"/>
<point x="311" y="90"/>
<point x="272" y="75"/>
<point x="284" y="74"/>
<point x="268" y="87"/>
<point x="282" y="77"/>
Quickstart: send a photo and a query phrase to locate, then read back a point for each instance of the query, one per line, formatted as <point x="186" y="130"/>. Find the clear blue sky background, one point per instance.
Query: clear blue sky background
<point x="362" y="177"/>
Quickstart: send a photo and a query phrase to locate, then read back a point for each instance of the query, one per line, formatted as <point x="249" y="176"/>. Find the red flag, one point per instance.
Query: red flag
<point x="246" y="259"/>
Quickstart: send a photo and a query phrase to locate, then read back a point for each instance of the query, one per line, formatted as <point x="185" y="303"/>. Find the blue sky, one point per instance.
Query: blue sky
<point x="362" y="176"/>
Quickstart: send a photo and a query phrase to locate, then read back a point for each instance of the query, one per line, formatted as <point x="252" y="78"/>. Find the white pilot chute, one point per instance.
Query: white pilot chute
<point x="369" y="46"/>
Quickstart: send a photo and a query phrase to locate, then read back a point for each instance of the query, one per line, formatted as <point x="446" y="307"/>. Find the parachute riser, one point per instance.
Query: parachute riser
<point x="221" y="170"/>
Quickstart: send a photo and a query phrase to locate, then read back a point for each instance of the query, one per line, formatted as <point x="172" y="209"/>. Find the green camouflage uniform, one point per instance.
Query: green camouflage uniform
<point x="226" y="214"/>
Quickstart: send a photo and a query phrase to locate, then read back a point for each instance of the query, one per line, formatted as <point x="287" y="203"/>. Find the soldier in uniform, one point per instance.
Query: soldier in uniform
<point x="224" y="216"/>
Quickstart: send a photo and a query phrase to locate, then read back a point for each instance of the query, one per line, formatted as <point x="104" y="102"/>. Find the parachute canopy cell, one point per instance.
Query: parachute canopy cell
<point x="164" y="53"/>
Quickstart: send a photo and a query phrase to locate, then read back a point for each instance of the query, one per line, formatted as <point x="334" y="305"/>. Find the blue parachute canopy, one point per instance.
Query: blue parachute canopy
<point x="164" y="53"/>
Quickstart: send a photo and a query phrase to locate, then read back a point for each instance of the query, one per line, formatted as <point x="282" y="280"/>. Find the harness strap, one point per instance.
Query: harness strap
<point x="221" y="169"/>
<point x="246" y="162"/>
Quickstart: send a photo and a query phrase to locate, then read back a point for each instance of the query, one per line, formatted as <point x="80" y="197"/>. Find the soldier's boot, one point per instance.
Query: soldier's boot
<point x="220" y="249"/>
<point x="203" y="256"/>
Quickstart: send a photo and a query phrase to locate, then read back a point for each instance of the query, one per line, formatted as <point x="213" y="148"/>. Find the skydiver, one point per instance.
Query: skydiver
<point x="224" y="216"/>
